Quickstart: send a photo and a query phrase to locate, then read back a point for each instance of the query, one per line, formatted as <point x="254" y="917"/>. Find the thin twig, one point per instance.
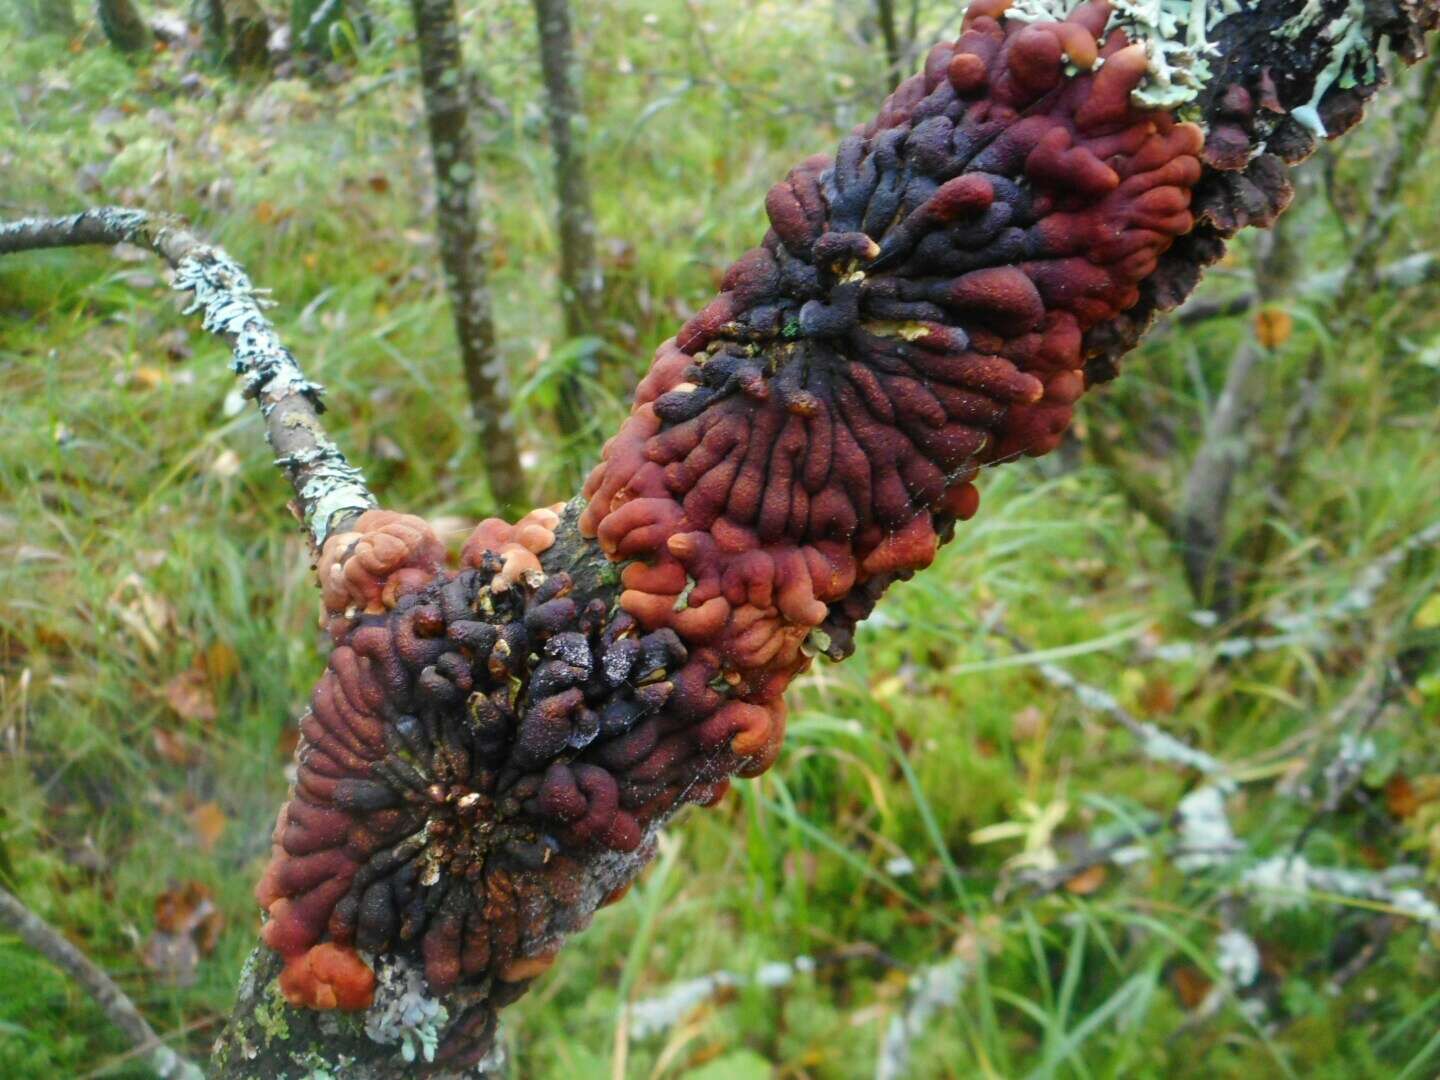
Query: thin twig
<point x="1155" y="744"/>
<point x="329" y="492"/>
<point x="113" y="1002"/>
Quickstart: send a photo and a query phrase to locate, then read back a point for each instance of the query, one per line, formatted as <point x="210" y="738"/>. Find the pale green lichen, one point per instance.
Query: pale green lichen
<point x="1174" y="34"/>
<point x="403" y="1013"/>
<point x="1178" y="38"/>
<point x="1352" y="57"/>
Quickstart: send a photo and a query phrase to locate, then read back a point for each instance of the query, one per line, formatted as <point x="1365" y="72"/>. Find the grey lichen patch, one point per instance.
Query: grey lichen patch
<point x="1176" y="36"/>
<point x="403" y="1013"/>
<point x="329" y="486"/>
<point x="229" y="305"/>
<point x="1353" y="58"/>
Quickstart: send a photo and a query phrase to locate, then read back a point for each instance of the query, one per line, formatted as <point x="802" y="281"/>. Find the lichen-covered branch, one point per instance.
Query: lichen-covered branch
<point x="462" y="244"/>
<point x="112" y="1001"/>
<point x="329" y="491"/>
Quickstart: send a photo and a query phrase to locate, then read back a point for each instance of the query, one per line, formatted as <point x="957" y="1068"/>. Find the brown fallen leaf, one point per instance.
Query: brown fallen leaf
<point x="208" y="823"/>
<point x="1401" y="798"/>
<point x="1158" y="697"/>
<point x="187" y="927"/>
<point x="221" y="661"/>
<point x="191" y="696"/>
<point x="174" y="747"/>
<point x="1273" y="327"/>
<point x="1088" y="880"/>
<point x="1191" y="985"/>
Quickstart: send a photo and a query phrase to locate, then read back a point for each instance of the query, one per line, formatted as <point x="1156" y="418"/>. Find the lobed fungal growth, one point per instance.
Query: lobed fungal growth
<point x="486" y="758"/>
<point x="916" y="312"/>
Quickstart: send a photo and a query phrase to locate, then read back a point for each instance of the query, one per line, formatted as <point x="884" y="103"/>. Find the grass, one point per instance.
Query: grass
<point x="147" y="552"/>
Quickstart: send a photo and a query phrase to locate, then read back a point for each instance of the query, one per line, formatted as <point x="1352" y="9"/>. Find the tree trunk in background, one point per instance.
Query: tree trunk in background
<point x="580" y="280"/>
<point x="47" y="16"/>
<point x="123" y="26"/>
<point x="1205" y="501"/>
<point x="462" y="243"/>
<point x="236" y="31"/>
<point x="885" y="16"/>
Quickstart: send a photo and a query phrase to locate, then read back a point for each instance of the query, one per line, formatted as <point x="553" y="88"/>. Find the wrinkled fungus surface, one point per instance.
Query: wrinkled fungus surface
<point x="916" y="312"/>
<point x="930" y="301"/>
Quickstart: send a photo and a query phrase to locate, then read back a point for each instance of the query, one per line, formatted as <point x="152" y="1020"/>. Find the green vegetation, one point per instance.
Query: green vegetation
<point x="157" y="626"/>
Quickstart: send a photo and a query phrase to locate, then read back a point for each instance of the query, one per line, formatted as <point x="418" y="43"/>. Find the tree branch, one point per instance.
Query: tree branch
<point x="329" y="492"/>
<point x="113" y="1002"/>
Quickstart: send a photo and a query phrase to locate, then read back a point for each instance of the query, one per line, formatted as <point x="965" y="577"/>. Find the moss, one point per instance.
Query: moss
<point x="270" y="1015"/>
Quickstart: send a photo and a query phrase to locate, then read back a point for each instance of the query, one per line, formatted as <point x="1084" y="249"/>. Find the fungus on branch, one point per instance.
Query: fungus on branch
<point x="493" y="745"/>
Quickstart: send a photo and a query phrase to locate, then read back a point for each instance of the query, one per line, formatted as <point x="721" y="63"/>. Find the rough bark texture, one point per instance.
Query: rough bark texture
<point x="236" y="32"/>
<point x="123" y="25"/>
<point x="462" y="243"/>
<point x="580" y="280"/>
<point x="1210" y="482"/>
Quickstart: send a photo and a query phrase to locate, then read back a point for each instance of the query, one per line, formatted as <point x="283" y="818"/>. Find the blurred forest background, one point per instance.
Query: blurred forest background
<point x="1141" y="780"/>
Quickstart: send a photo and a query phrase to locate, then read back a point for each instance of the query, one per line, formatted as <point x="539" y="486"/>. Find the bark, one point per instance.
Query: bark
<point x="1210" y="483"/>
<point x="236" y="32"/>
<point x="890" y="36"/>
<point x="329" y="491"/>
<point x="123" y="26"/>
<point x="580" y="278"/>
<point x="463" y="244"/>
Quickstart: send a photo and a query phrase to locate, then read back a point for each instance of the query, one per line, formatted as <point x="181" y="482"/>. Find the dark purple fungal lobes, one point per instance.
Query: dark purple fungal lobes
<point x="931" y="301"/>
<point x="473" y="730"/>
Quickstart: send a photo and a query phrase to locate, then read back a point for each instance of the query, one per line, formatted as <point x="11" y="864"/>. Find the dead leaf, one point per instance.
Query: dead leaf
<point x="148" y="617"/>
<point x="1088" y="880"/>
<point x="191" y="696"/>
<point x="226" y="464"/>
<point x="1273" y="327"/>
<point x="1157" y="697"/>
<point x="208" y="822"/>
<point x="1191" y="985"/>
<point x="187" y="927"/>
<point x="1401" y="798"/>
<point x="1027" y="724"/>
<point x="220" y="661"/>
<point x="287" y="741"/>
<point x="146" y="377"/>
<point x="174" y="747"/>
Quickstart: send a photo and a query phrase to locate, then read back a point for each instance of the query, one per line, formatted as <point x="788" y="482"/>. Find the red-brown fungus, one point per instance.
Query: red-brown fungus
<point x="915" y="313"/>
<point x="482" y="746"/>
